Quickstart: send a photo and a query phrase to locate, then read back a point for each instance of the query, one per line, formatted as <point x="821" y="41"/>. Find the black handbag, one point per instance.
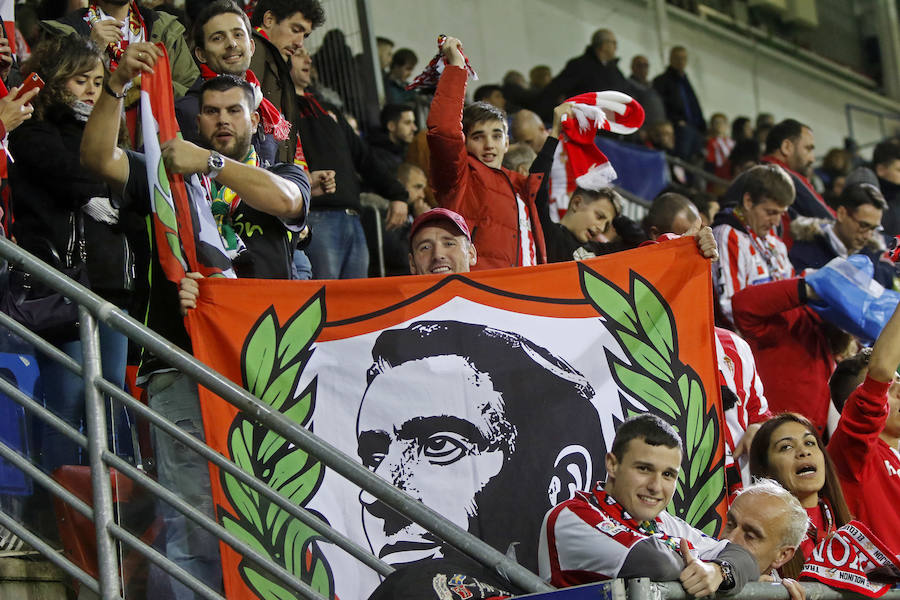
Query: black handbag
<point x="39" y="307"/>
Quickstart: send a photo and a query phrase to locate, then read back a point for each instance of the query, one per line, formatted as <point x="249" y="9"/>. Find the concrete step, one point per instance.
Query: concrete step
<point x="29" y="576"/>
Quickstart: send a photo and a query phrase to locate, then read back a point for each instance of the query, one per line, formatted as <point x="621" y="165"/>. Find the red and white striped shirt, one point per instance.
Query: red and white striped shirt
<point x="745" y="259"/>
<point x="737" y="370"/>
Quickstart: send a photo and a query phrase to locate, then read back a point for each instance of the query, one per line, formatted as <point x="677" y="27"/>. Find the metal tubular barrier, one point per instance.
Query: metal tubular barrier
<point x="644" y="589"/>
<point x="307" y="518"/>
<point x="695" y="170"/>
<point x="95" y="423"/>
<point x="278" y="423"/>
<point x="87" y="512"/>
<point x="157" y="558"/>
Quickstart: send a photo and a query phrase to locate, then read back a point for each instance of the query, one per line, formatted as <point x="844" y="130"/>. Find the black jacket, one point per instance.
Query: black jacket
<point x="274" y="75"/>
<point x="581" y="74"/>
<point x="669" y="85"/>
<point x="331" y="144"/>
<point x="48" y="184"/>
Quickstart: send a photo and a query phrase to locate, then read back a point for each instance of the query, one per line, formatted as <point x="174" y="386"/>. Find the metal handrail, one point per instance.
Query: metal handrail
<point x="695" y="170"/>
<point x="108" y="388"/>
<point x="644" y="589"/>
<point x="332" y="458"/>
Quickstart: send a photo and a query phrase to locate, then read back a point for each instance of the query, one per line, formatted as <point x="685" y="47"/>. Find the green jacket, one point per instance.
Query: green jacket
<point x="162" y="26"/>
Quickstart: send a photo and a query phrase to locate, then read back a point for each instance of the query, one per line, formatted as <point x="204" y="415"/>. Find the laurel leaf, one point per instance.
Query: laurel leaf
<point x="265" y="588"/>
<point x="300" y="331"/>
<point x="646" y="356"/>
<point x="655" y="320"/>
<point x="296" y="539"/>
<point x="261" y="347"/>
<point x="645" y="389"/>
<point x="609" y="300"/>
<point x="707" y="496"/>
<point x="240" y="531"/>
<point x="321" y="576"/>
<point x="281" y="387"/>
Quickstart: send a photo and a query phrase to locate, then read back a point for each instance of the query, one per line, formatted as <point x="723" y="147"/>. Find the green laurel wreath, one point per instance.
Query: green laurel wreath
<point x="272" y="360"/>
<point x="643" y="324"/>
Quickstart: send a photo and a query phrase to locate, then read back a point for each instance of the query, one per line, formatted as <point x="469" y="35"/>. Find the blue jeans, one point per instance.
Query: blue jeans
<point x="302" y="269"/>
<point x="184" y="472"/>
<point x="64" y="395"/>
<point x="338" y="249"/>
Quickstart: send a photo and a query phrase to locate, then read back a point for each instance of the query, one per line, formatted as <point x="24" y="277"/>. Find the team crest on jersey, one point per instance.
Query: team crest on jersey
<point x="611" y="528"/>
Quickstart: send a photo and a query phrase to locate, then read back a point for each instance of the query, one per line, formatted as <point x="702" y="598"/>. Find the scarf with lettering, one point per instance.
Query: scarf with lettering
<point x="135" y="31"/>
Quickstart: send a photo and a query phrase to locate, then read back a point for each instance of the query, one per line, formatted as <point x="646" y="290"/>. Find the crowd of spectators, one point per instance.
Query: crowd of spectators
<point x="460" y="186"/>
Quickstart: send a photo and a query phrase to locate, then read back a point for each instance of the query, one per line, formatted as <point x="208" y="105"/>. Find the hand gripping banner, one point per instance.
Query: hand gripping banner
<point x="184" y="229"/>
<point x="489" y="396"/>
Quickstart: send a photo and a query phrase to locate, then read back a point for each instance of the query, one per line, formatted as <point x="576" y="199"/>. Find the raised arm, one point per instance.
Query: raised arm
<point x="99" y="152"/>
<point x="263" y="190"/>
<point x="886" y="351"/>
<point x="446" y="141"/>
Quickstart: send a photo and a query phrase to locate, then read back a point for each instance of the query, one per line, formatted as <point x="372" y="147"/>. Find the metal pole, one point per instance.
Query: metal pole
<point x="758" y="590"/>
<point x="87" y="512"/>
<point x="306" y="517"/>
<point x="330" y="456"/>
<point x="95" y="423"/>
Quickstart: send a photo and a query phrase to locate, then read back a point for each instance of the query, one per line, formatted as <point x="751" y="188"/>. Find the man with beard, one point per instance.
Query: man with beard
<point x="114" y="24"/>
<point x="257" y="208"/>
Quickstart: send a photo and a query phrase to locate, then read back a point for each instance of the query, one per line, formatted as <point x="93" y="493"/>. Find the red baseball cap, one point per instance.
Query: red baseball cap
<point x="440" y="214"/>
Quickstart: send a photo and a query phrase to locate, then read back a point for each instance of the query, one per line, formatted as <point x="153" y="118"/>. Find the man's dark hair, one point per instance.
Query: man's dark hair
<point x="856" y="195"/>
<point x="223" y="83"/>
<point x="404" y="57"/>
<point x="214" y="9"/>
<point x="767" y="182"/>
<point x="663" y="211"/>
<point x="484" y="92"/>
<point x="847" y="376"/>
<point x="384" y="41"/>
<point x="393" y="112"/>
<point x="479" y="112"/>
<point x="789" y="129"/>
<point x="647" y="427"/>
<point x="765" y="119"/>
<point x="885" y="153"/>
<point x="282" y="9"/>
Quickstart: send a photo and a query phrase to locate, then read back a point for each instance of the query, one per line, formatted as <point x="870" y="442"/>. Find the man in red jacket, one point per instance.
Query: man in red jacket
<point x="466" y="172"/>
<point x="864" y="447"/>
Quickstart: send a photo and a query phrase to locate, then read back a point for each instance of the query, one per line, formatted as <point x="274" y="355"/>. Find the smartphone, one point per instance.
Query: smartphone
<point x="33" y="81"/>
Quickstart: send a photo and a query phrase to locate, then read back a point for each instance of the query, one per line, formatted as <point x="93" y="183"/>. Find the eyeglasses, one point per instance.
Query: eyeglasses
<point x="865" y="227"/>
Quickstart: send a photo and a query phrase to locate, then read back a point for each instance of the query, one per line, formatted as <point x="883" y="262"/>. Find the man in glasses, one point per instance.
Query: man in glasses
<point x="854" y="231"/>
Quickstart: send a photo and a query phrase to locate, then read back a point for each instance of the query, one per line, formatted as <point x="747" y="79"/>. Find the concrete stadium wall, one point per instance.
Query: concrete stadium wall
<point x="729" y="74"/>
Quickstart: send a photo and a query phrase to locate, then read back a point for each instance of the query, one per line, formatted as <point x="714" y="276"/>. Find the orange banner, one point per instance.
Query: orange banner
<point x="488" y="396"/>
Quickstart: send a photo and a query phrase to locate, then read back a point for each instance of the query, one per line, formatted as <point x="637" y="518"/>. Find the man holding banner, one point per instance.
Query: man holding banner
<point x="255" y="208"/>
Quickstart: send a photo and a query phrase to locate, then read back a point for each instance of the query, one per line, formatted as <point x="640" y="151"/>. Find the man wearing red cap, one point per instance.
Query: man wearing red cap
<point x="440" y="242"/>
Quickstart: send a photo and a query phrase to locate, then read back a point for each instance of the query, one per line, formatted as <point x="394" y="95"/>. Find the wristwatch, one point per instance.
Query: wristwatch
<point x="727" y="575"/>
<point x="214" y="164"/>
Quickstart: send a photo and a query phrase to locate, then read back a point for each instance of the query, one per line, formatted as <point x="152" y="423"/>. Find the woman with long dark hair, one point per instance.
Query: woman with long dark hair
<point x="59" y="208"/>
<point x="788" y="449"/>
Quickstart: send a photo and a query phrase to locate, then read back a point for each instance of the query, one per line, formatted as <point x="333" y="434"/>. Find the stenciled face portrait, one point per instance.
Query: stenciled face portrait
<point x="422" y="437"/>
<point x="455" y="414"/>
